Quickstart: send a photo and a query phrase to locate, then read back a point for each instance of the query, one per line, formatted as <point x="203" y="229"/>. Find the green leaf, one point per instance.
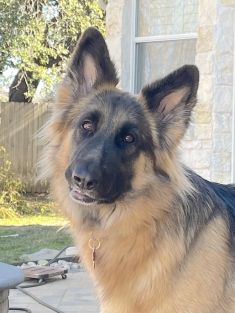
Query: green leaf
<point x="38" y="36"/>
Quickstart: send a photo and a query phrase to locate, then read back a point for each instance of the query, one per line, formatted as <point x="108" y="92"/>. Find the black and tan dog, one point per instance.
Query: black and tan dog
<point x="155" y="237"/>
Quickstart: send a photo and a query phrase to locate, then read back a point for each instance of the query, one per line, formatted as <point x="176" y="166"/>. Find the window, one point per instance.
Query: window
<point x="164" y="38"/>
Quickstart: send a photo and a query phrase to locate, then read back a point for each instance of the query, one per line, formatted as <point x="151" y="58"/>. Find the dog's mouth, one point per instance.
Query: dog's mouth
<point x="81" y="197"/>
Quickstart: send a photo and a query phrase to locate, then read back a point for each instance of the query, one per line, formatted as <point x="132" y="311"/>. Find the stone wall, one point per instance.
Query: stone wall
<point x="224" y="89"/>
<point x="209" y="141"/>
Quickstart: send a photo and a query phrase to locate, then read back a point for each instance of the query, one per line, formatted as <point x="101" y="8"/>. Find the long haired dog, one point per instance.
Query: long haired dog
<point x="154" y="236"/>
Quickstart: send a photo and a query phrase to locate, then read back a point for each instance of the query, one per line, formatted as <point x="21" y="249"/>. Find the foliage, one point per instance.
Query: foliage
<point x="37" y="205"/>
<point x="13" y="200"/>
<point x="11" y="188"/>
<point x="36" y="36"/>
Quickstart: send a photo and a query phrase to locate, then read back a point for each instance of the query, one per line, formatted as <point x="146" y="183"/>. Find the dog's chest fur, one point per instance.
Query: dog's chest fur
<point x="147" y="273"/>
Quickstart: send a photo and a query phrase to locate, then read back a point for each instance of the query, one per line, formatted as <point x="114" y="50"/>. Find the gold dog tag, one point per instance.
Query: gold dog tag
<point x="94" y="244"/>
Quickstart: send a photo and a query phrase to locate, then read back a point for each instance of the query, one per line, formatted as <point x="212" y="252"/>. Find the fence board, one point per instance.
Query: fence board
<point x="19" y="124"/>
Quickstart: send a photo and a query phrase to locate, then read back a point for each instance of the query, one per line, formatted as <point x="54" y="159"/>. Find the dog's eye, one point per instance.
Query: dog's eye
<point x="129" y="138"/>
<point x="88" y="126"/>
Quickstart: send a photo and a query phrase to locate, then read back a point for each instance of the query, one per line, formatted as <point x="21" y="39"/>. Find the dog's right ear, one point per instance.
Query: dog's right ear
<point x="90" y="68"/>
<point x="170" y="101"/>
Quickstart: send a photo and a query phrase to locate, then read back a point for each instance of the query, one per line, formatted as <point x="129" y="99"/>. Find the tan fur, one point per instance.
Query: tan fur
<point x="172" y="100"/>
<point x="64" y="95"/>
<point x="90" y="72"/>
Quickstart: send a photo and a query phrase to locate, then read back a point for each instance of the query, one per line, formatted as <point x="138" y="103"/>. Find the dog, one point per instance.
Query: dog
<point x="154" y="236"/>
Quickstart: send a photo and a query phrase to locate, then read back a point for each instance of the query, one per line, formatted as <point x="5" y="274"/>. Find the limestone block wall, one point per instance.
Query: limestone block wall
<point x="208" y="144"/>
<point x="224" y="89"/>
<point x="197" y="146"/>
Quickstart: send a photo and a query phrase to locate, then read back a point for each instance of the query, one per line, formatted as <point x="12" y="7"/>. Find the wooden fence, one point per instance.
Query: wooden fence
<point x="19" y="124"/>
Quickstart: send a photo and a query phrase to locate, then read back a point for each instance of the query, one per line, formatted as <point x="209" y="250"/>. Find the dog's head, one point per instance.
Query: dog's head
<point x="118" y="142"/>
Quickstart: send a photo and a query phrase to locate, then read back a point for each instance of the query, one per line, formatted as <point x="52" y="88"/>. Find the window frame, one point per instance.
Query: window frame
<point x="135" y="40"/>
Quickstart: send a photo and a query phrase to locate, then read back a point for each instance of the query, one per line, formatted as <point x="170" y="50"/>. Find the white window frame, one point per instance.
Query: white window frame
<point x="137" y="40"/>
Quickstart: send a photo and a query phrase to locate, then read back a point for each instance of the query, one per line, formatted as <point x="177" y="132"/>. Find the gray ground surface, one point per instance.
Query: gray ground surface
<point x="72" y="295"/>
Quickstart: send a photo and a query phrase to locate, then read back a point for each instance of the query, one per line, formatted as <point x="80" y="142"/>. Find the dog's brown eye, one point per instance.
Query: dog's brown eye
<point x="88" y="126"/>
<point x="129" y="138"/>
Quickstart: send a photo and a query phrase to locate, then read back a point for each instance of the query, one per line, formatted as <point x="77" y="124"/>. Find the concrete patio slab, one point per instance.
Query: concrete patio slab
<point x="72" y="295"/>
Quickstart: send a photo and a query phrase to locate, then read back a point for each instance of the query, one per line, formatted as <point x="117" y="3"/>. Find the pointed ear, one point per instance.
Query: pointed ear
<point x="171" y="100"/>
<point x="89" y="68"/>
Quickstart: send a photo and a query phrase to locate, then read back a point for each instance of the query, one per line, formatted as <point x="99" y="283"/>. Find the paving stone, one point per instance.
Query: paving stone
<point x="43" y="254"/>
<point x="72" y="295"/>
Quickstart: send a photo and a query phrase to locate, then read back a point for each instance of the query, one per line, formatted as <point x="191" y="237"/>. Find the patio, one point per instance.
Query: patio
<point x="72" y="295"/>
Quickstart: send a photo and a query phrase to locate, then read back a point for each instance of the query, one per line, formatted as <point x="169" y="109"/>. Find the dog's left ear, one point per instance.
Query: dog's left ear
<point x="171" y="101"/>
<point x="90" y="67"/>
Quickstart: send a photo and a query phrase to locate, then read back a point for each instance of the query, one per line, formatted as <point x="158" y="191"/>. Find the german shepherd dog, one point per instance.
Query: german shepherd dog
<point x="154" y="236"/>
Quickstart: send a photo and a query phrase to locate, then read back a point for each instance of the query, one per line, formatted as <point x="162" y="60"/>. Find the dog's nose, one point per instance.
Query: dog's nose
<point x="85" y="182"/>
<point x="84" y="179"/>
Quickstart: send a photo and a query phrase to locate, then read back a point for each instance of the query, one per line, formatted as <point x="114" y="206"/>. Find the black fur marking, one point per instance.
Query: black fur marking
<point x="188" y="75"/>
<point x="209" y="201"/>
<point x="226" y="193"/>
<point x="171" y="101"/>
<point x="92" y="44"/>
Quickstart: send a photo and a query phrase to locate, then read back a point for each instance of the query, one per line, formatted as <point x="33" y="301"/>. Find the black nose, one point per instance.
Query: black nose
<point x="84" y="178"/>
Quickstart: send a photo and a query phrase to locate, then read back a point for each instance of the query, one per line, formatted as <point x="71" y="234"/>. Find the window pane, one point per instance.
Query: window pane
<point x="157" y="59"/>
<point x="166" y="17"/>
